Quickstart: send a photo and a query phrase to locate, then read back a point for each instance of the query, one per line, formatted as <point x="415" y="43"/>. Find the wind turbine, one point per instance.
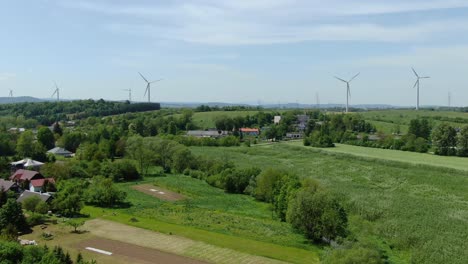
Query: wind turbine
<point x="56" y="92"/>
<point x="417" y="84"/>
<point x="129" y="94"/>
<point x="11" y="93"/>
<point x="348" y="90"/>
<point x="148" y="86"/>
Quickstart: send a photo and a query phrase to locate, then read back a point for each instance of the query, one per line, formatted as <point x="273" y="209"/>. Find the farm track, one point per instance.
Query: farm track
<point x="171" y="244"/>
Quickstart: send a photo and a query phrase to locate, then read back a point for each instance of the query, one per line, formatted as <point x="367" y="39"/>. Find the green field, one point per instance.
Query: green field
<point x="205" y="120"/>
<point x="386" y="120"/>
<point x="228" y="220"/>
<point x="457" y="163"/>
<point x="415" y="213"/>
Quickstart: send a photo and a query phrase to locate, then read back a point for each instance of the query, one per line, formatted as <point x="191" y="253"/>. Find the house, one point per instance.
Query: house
<point x="60" y="152"/>
<point x="276" y="120"/>
<point x="39" y="185"/>
<point x="245" y="131"/>
<point x="293" y="135"/>
<point x="16" y="130"/>
<point x="21" y="176"/>
<point x="207" y="133"/>
<point x="302" y="121"/>
<point x="6" y="186"/>
<point x="27" y="194"/>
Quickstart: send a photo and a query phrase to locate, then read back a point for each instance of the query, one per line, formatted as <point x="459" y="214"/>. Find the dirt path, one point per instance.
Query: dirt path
<point x="158" y="192"/>
<point x="172" y="244"/>
<point x="135" y="254"/>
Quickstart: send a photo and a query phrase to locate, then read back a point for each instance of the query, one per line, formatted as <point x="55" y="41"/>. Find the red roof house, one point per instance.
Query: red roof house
<point x="37" y="185"/>
<point x="25" y="175"/>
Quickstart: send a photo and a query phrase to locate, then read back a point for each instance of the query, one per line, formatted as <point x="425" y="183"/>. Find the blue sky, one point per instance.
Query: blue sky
<point x="237" y="51"/>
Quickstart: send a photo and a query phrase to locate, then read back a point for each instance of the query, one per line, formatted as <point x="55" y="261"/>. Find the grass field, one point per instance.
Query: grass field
<point x="415" y="213"/>
<point x="457" y="163"/>
<point x="210" y="215"/>
<point x="205" y="120"/>
<point x="386" y="120"/>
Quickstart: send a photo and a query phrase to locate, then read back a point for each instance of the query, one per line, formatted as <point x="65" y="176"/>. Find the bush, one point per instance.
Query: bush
<point x="317" y="214"/>
<point x="35" y="219"/>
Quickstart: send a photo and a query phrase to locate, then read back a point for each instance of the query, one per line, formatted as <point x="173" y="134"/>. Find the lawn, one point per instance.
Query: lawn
<point x="457" y="163"/>
<point x="415" y="213"/>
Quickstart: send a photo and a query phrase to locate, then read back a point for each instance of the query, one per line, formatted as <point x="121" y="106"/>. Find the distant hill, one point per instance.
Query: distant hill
<point x="20" y="99"/>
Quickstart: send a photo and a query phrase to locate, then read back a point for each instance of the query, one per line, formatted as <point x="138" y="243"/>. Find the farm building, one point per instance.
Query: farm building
<point x="24" y="163"/>
<point x="60" y="152"/>
<point x="302" y="121"/>
<point x="277" y="120"/>
<point x="293" y="135"/>
<point x="249" y="131"/>
<point x="207" y="133"/>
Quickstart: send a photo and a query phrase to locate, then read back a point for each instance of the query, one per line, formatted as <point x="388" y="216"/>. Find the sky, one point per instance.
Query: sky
<point x="252" y="51"/>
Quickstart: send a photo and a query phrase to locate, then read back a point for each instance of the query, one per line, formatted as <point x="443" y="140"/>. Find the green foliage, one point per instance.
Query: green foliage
<point x="267" y="183"/>
<point x="75" y="224"/>
<point x="462" y="142"/>
<point x="69" y="197"/>
<point x="317" y="214"/>
<point x="103" y="193"/>
<point x="31" y="203"/>
<point x="354" y="255"/>
<point x="46" y="137"/>
<point x="11" y="213"/>
<point x="444" y="140"/>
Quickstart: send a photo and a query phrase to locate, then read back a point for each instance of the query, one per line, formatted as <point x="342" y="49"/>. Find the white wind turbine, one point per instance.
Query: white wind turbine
<point x="56" y="92"/>
<point x="416" y="84"/>
<point x="129" y="94"/>
<point x="11" y="93"/>
<point x="348" y="90"/>
<point x="148" y="86"/>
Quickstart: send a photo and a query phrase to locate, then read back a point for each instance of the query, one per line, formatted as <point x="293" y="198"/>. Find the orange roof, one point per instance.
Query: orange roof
<point x="246" y="129"/>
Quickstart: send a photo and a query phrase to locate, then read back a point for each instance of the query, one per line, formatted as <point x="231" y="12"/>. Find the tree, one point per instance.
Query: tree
<point x="57" y="129"/>
<point x="444" y="140"/>
<point x="317" y="214"/>
<point x="46" y="137"/>
<point x="137" y="148"/>
<point x="267" y="182"/>
<point x="103" y="193"/>
<point x="31" y="203"/>
<point x="69" y="197"/>
<point x="462" y="142"/>
<point x="11" y="213"/>
<point x="24" y="145"/>
<point x="75" y="224"/>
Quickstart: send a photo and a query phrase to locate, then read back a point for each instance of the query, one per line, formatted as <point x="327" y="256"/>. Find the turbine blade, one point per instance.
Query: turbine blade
<point x="341" y="79"/>
<point x="354" y="77"/>
<point x="143" y="77"/>
<point x="425" y="77"/>
<point x="349" y="92"/>
<point x="156" y="81"/>
<point x="416" y="83"/>
<point x="415" y="73"/>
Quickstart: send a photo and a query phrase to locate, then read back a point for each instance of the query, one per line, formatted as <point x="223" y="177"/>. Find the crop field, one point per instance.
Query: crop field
<point x="416" y="213"/>
<point x="212" y="216"/>
<point x="457" y="163"/>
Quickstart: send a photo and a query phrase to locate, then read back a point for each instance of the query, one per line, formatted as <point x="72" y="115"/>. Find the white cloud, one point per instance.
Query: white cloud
<point x="4" y="76"/>
<point x="225" y="22"/>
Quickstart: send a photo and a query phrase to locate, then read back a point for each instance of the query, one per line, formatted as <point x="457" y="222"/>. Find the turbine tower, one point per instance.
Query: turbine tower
<point x="148" y="86"/>
<point x="129" y="94"/>
<point x="348" y="90"/>
<point x="416" y="84"/>
<point x="11" y="93"/>
<point x="56" y="92"/>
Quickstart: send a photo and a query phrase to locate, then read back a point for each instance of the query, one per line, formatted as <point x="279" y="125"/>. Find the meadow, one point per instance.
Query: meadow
<point x="210" y="215"/>
<point x="415" y="213"/>
<point x="451" y="162"/>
